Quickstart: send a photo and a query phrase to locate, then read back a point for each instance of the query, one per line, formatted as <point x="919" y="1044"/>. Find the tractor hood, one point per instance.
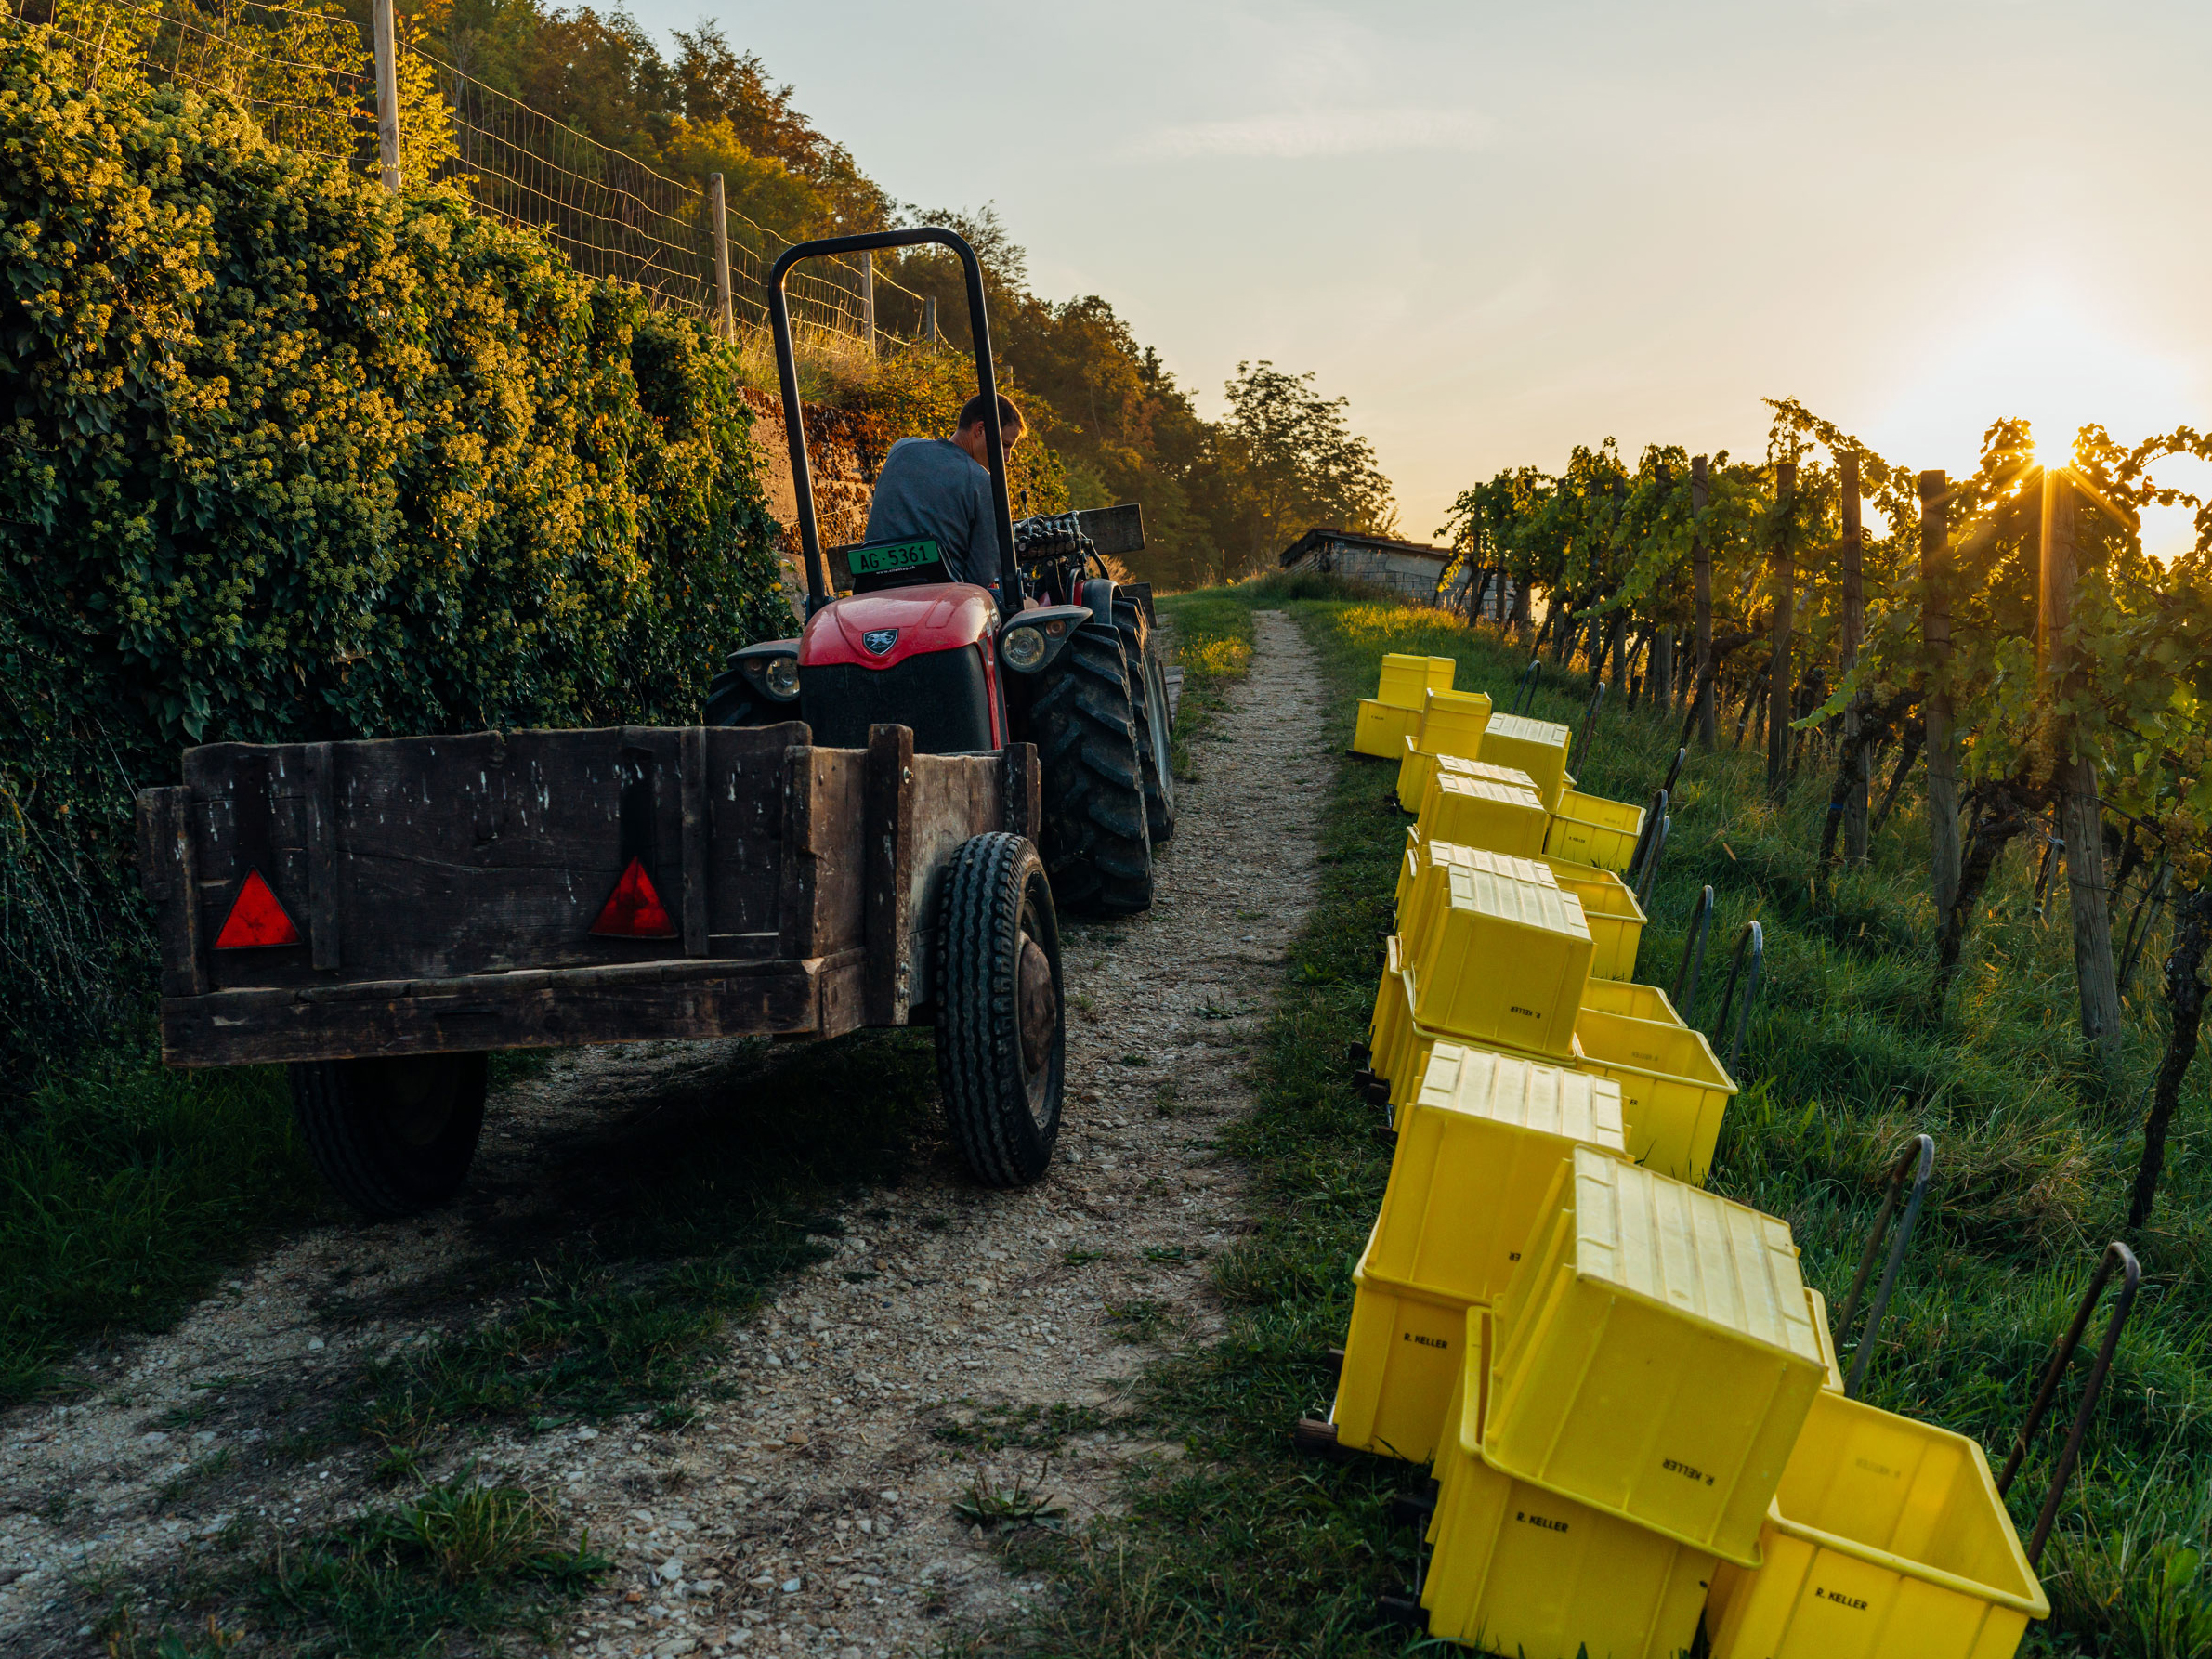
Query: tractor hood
<point x="883" y="629"/>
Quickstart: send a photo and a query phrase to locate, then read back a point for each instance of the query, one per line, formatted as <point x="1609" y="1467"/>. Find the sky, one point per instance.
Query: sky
<point x="1501" y="230"/>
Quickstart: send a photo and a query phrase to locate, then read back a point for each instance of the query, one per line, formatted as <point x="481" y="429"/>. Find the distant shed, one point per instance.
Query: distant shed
<point x="1413" y="569"/>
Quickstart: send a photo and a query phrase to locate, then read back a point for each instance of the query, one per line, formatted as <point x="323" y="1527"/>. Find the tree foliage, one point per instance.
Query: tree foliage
<point x="1286" y="458"/>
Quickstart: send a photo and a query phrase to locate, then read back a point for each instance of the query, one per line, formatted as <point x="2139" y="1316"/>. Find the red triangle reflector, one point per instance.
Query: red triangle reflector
<point x="635" y="911"/>
<point x="256" y="919"/>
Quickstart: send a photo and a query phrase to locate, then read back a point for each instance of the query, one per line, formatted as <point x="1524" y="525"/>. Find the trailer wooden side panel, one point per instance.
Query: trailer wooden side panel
<point x="431" y="857"/>
<point x="555" y="1007"/>
<point x="444" y="889"/>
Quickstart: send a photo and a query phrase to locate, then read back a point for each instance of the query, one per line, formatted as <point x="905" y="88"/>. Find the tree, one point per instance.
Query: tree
<point x="1285" y="460"/>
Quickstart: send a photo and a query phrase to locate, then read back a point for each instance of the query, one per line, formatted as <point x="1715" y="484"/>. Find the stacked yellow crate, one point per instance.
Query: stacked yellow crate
<point x="1492" y="813"/>
<point x="1535" y="746"/>
<point x="1637" y="1391"/>
<point x="1630" y="1396"/>
<point x="1674" y="1089"/>
<point x="1452" y="723"/>
<point x="1479" y="1151"/>
<point x="1393" y="713"/>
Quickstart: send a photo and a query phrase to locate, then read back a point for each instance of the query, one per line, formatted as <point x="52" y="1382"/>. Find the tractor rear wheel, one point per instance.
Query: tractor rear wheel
<point x="1097" y="841"/>
<point x="1149" y="704"/>
<point x="730" y="702"/>
<point x="392" y="1136"/>
<point x="1000" y="1036"/>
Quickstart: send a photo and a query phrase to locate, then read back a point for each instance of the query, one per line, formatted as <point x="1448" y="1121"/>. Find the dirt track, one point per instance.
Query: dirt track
<point x="812" y="1512"/>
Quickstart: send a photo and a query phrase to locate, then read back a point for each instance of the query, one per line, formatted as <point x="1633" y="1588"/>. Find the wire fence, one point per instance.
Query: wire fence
<point x="308" y="77"/>
<point x="300" y="69"/>
<point x="617" y="217"/>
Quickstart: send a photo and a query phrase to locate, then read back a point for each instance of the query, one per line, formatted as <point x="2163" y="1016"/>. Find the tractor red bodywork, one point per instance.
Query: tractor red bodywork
<point x="918" y="620"/>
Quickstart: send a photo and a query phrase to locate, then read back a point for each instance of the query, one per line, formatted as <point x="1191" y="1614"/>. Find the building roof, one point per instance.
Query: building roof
<point x="1314" y="538"/>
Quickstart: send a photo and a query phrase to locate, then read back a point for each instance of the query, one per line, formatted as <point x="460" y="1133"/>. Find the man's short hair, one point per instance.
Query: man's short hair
<point x="975" y="408"/>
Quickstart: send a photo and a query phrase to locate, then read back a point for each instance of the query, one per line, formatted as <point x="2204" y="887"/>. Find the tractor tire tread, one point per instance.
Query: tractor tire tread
<point x="1097" y="843"/>
<point x="1148" y="709"/>
<point x="979" y="1062"/>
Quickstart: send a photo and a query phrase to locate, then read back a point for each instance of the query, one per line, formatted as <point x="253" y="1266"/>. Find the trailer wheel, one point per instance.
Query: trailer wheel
<point x="1148" y="705"/>
<point x="1097" y="841"/>
<point x="1002" y="1040"/>
<point x="392" y="1136"/>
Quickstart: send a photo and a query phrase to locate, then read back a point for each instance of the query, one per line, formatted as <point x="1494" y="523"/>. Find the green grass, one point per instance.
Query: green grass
<point x="448" y="1572"/>
<point x="125" y="1191"/>
<point x="1245" y="1549"/>
<point x="461" y="1558"/>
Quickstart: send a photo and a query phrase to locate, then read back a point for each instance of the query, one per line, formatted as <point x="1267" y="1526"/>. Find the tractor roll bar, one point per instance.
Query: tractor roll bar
<point x="987" y="383"/>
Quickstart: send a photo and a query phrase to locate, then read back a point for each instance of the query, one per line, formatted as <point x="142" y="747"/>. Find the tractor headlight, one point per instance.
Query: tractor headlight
<point x="1024" y="649"/>
<point x="1029" y="642"/>
<point x="771" y="667"/>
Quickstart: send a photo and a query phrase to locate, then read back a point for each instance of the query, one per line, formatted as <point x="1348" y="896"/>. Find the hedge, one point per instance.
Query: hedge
<point x="283" y="457"/>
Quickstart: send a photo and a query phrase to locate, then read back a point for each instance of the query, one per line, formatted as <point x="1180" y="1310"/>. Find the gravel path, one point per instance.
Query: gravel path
<point x="811" y="1513"/>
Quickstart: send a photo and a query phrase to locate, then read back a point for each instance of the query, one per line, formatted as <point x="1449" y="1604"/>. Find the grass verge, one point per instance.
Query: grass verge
<point x="125" y="1189"/>
<point x="1245" y="1549"/>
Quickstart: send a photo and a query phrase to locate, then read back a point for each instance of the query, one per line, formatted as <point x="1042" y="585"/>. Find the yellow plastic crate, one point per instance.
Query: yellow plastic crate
<point x="1478" y="812"/>
<point x="1428" y="880"/>
<point x="1479" y="1147"/>
<point x="1535" y="746"/>
<point x="1417" y="767"/>
<point x="1463" y="767"/>
<point x="1728" y="1578"/>
<point x="1400" y="1046"/>
<point x="1610" y="909"/>
<point x="1404" y="892"/>
<point x="1453" y="723"/>
<point x="1381" y="727"/>
<point x="1516" y="1569"/>
<point x="1391" y="1008"/>
<point x="1673" y="1088"/>
<point x="1501" y="960"/>
<point x="1821" y="1328"/>
<point x="1887" y="1538"/>
<point x="1407" y="680"/>
<point x="1657" y="1356"/>
<point x="1646" y="1003"/>
<point x="1401" y="1356"/>
<point x="1591" y="830"/>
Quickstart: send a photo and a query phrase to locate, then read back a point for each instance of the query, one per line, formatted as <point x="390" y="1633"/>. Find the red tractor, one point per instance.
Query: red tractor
<point x="1055" y="656"/>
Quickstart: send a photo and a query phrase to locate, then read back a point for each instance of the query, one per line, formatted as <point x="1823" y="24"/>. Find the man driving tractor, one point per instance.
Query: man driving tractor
<point x="939" y="487"/>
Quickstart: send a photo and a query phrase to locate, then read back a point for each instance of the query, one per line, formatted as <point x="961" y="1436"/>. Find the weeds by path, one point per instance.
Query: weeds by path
<point x="459" y="1560"/>
<point x="1245" y="1549"/>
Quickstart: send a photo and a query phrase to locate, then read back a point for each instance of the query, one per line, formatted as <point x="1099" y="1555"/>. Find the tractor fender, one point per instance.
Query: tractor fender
<point x="882" y="629"/>
<point x="1098" y="593"/>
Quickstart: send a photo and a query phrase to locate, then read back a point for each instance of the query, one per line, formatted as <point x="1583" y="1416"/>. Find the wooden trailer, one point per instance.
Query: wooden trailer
<point x="383" y="914"/>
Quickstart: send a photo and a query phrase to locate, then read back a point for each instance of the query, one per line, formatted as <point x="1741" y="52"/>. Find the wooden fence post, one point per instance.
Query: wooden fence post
<point x="1854" y="633"/>
<point x="1701" y="573"/>
<point x="1943" y="747"/>
<point x="2081" y="823"/>
<point x="868" y="300"/>
<point x="726" y="323"/>
<point x="1781" y="684"/>
<point x="388" y="93"/>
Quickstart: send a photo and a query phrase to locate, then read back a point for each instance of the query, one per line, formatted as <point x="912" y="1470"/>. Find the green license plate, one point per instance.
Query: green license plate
<point x="875" y="559"/>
